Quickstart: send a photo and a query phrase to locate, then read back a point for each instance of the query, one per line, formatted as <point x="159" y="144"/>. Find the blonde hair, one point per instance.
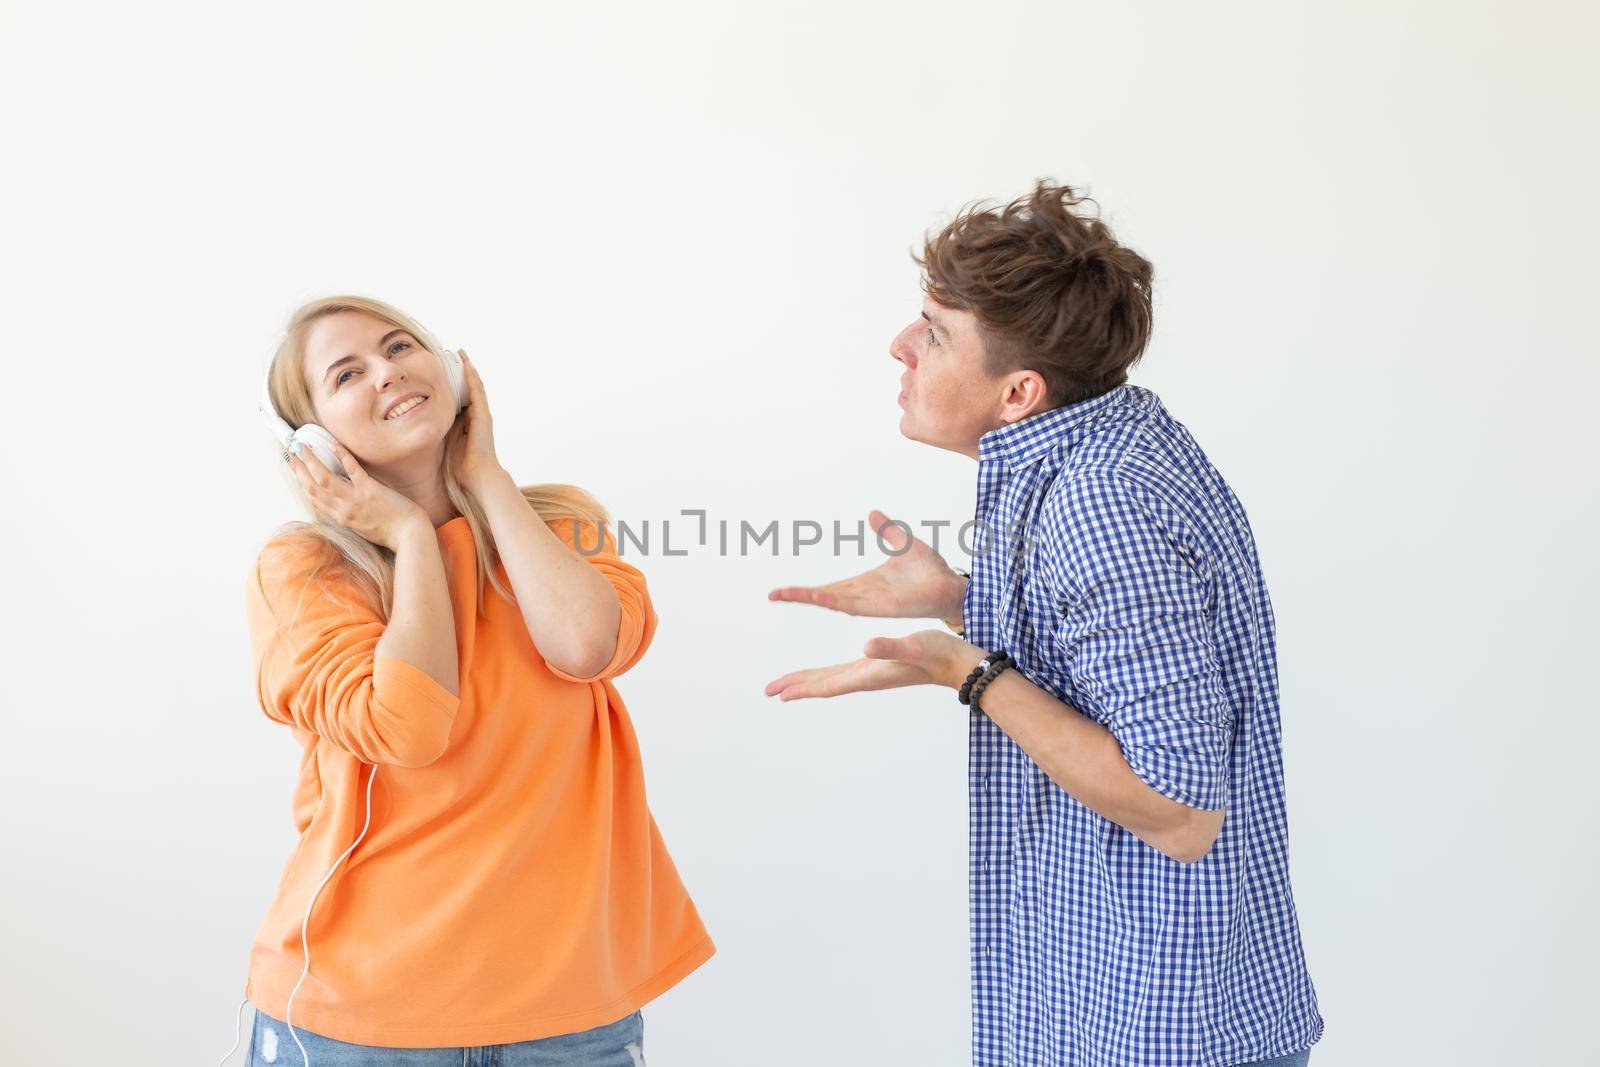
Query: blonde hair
<point x="370" y="566"/>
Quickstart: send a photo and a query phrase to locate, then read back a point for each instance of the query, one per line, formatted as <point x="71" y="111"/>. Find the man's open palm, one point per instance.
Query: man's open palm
<point x="915" y="582"/>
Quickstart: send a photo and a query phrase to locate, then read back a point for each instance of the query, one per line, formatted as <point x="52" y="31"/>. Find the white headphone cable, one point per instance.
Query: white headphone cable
<point x="305" y="947"/>
<point x="238" y="1032"/>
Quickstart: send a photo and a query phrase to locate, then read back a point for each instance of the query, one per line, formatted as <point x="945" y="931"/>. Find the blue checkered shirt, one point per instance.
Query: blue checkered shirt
<point x="1112" y="560"/>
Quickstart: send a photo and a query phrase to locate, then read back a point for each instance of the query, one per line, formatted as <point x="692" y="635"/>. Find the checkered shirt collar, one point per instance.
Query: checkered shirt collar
<point x="1019" y="443"/>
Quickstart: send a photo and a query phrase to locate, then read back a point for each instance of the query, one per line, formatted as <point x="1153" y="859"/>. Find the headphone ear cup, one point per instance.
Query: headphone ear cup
<point x="320" y="441"/>
<point x="458" y="374"/>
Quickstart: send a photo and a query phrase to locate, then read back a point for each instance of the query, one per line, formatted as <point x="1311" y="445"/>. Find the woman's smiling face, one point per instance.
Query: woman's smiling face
<point x="366" y="377"/>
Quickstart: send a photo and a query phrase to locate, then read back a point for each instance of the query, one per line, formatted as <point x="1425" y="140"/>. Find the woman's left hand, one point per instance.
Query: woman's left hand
<point x="928" y="657"/>
<point x="477" y="459"/>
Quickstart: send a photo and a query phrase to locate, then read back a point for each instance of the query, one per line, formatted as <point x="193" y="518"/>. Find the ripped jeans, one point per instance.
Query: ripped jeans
<point x="618" y="1044"/>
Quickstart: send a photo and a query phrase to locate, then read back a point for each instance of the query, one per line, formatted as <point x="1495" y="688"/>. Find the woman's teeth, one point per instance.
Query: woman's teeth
<point x="403" y="408"/>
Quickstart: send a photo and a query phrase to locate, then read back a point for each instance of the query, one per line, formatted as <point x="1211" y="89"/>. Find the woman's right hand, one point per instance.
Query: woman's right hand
<point x="363" y="504"/>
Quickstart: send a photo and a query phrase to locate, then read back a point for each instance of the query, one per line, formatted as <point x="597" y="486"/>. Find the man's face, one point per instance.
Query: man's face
<point x="949" y="398"/>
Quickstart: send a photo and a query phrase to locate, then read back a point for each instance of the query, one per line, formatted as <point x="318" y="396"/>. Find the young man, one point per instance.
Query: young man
<point x="1129" y="863"/>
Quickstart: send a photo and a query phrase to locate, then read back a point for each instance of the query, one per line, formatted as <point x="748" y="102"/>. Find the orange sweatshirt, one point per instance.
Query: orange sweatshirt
<point x="512" y="884"/>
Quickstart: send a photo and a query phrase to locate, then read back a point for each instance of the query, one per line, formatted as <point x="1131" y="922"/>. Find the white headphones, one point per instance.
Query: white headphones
<point x="320" y="441"/>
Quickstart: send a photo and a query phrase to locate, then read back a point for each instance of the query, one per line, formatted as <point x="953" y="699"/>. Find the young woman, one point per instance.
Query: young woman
<point x="452" y="639"/>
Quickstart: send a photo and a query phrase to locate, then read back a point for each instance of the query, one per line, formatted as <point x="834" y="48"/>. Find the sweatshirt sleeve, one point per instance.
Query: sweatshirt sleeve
<point x="638" y="625"/>
<point x="313" y="642"/>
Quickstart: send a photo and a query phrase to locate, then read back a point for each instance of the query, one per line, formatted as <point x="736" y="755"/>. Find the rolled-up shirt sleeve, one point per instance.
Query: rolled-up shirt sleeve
<point x="1136" y="628"/>
<point x="313" y="642"/>
<point x="637" y="626"/>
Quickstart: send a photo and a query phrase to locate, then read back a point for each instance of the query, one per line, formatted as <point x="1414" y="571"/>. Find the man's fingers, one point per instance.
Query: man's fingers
<point x="821" y="596"/>
<point x="892" y="534"/>
<point x="809" y="689"/>
<point x="793" y="685"/>
<point x="777" y="685"/>
<point x="835" y="596"/>
<point x="812" y="682"/>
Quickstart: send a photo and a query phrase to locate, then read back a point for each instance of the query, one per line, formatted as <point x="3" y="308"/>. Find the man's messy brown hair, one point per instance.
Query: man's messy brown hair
<point x="1051" y="288"/>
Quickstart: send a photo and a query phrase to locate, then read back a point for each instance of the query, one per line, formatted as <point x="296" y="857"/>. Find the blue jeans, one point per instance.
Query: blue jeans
<point x="1293" y="1059"/>
<point x="618" y="1044"/>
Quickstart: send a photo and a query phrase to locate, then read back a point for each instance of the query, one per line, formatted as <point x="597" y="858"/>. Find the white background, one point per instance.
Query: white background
<point x="676" y="240"/>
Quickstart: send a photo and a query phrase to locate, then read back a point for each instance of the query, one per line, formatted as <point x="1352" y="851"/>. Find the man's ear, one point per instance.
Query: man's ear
<point x="1024" y="394"/>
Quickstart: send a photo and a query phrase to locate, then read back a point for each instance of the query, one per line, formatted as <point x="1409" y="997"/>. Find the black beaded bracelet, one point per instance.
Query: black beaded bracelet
<point x="976" y="673"/>
<point x="979" y="673"/>
<point x="990" y="675"/>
